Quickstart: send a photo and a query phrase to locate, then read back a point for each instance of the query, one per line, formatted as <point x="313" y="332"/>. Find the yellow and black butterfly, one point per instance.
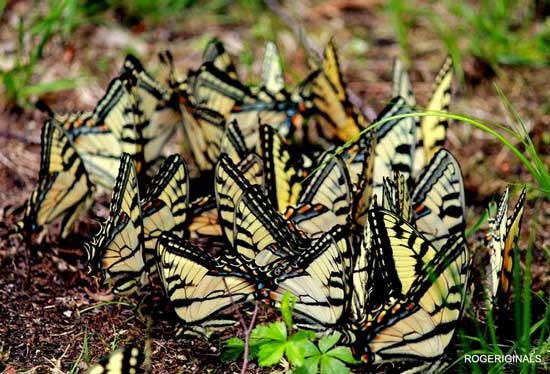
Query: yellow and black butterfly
<point x="271" y="104"/>
<point x="102" y="135"/>
<point x="394" y="150"/>
<point x="164" y="206"/>
<point x="201" y="287"/>
<point x="420" y="294"/>
<point x="281" y="110"/>
<point x="396" y="197"/>
<point x="127" y="360"/>
<point x="216" y="90"/>
<point x="337" y="119"/>
<point x="501" y="239"/>
<point x="439" y="199"/>
<point x="247" y="216"/>
<point x="116" y="251"/>
<point x="204" y="130"/>
<point x="204" y="224"/>
<point x="159" y="105"/>
<point x="284" y="170"/>
<point x="123" y="250"/>
<point x="432" y="130"/>
<point x="325" y="200"/>
<point x="64" y="188"/>
<point x="216" y="54"/>
<point x="318" y="277"/>
<point x="272" y="70"/>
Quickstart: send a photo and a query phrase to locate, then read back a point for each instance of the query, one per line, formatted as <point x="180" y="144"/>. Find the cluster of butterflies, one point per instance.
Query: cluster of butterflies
<point x="277" y="190"/>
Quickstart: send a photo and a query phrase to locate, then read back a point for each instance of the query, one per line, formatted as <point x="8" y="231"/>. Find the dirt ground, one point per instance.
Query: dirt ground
<point x="53" y="315"/>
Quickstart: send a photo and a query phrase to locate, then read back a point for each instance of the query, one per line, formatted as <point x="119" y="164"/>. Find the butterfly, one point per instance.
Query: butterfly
<point x="325" y="200"/>
<point x="419" y="294"/>
<point x="394" y="150"/>
<point x="439" y="199"/>
<point x="123" y="249"/>
<point x="159" y="105"/>
<point x="64" y="188"/>
<point x="359" y="157"/>
<point x="248" y="218"/>
<point x="500" y="240"/>
<point x="205" y="212"/>
<point x="337" y="120"/>
<point x="432" y="130"/>
<point x="127" y="360"/>
<point x="198" y="285"/>
<point x="102" y="135"/>
<point x="284" y="170"/>
<point x="201" y="287"/>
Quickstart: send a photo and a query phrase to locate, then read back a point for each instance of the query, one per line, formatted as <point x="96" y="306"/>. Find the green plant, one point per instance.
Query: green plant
<point x="530" y="336"/>
<point x="401" y="15"/>
<point x="273" y="343"/>
<point x="32" y="39"/>
<point x="498" y="32"/>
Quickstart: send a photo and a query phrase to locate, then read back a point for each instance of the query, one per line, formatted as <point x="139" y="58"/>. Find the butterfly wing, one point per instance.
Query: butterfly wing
<point x="394" y="148"/>
<point x="198" y="286"/>
<point x="319" y="279"/>
<point x="116" y="251"/>
<point x="439" y="199"/>
<point x="272" y="70"/>
<point x="164" y="206"/>
<point x="64" y="189"/>
<point x="432" y="130"/>
<point x="122" y="361"/>
<point x="329" y="187"/>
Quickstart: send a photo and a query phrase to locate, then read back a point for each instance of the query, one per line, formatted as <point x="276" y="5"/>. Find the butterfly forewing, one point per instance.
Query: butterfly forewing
<point x="116" y="251"/>
<point x="394" y="148"/>
<point x="432" y="130"/>
<point x="439" y="199"/>
<point x="198" y="286"/>
<point x="64" y="189"/>
<point x="319" y="278"/>
<point x="164" y="206"/>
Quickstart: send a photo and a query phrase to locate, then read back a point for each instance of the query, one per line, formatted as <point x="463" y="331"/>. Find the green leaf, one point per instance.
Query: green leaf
<point x="302" y="335"/>
<point x="310" y="366"/>
<point x="328" y="341"/>
<point x="274" y="331"/>
<point x="295" y="353"/>
<point x="330" y="365"/>
<point x="270" y="354"/>
<point x="343" y="354"/>
<point x="233" y="349"/>
<point x="310" y="349"/>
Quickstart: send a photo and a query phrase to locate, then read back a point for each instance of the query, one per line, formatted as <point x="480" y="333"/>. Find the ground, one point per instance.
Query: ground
<point x="54" y="317"/>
